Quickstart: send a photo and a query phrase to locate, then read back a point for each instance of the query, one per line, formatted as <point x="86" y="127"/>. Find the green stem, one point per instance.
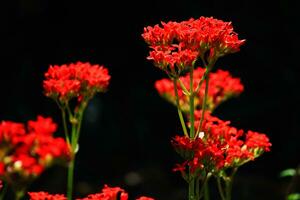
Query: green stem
<point x="221" y="192"/>
<point x="80" y="116"/>
<point x="192" y="188"/>
<point x="19" y="194"/>
<point x="198" y="188"/>
<point x="203" y="77"/>
<point x="228" y="189"/>
<point x="206" y="191"/>
<point x="3" y="191"/>
<point x="228" y="184"/>
<point x="76" y="127"/>
<point x="192" y="105"/>
<point x="69" y="111"/>
<point x="70" y="178"/>
<point x="206" y="77"/>
<point x="179" y="109"/>
<point x="63" y="112"/>
<point x="204" y="103"/>
<point x="185" y="91"/>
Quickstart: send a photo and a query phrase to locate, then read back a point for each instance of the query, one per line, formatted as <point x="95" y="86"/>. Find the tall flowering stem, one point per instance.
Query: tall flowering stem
<point x="74" y="84"/>
<point x="212" y="147"/>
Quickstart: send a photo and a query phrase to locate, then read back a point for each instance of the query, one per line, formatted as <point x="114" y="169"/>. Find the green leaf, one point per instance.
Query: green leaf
<point x="295" y="196"/>
<point x="287" y="172"/>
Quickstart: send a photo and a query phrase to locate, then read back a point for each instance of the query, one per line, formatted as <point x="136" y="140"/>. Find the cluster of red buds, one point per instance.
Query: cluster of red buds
<point x="222" y="86"/>
<point x="26" y="152"/>
<point x="176" y="46"/>
<point x="81" y="80"/>
<point x="107" y="193"/>
<point x="218" y="146"/>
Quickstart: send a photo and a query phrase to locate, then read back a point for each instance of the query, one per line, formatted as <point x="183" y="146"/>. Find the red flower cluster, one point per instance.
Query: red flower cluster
<point x="219" y="146"/>
<point x="179" y="44"/>
<point x="221" y="87"/>
<point x="75" y="80"/>
<point x="45" y="196"/>
<point x="145" y="198"/>
<point x="24" y="154"/>
<point x="108" y="193"/>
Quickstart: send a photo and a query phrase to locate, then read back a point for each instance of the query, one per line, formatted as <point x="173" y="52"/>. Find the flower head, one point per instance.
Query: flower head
<point x="75" y="80"/>
<point x="144" y="198"/>
<point x="45" y="196"/>
<point x="108" y="193"/>
<point x="25" y="152"/>
<point x="222" y="86"/>
<point x="221" y="146"/>
<point x="176" y="45"/>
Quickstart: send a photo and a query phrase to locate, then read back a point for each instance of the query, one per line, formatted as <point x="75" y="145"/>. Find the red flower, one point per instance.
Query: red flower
<point x="27" y="153"/>
<point x="108" y="193"/>
<point x="42" y="126"/>
<point x="9" y="131"/>
<point x="221" y="146"/>
<point x="75" y="80"/>
<point x="255" y="140"/>
<point x="145" y="198"/>
<point x="64" y="89"/>
<point x="27" y="164"/>
<point x="221" y="87"/>
<point x="2" y="168"/>
<point x="45" y="196"/>
<point x="179" y="44"/>
<point x="183" y="146"/>
<point x="52" y="148"/>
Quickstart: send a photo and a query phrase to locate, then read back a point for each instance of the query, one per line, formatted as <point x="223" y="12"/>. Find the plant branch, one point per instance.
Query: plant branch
<point x="181" y="118"/>
<point x="192" y="106"/>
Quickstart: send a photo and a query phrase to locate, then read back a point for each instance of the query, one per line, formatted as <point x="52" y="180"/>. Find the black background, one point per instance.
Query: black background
<point x="126" y="132"/>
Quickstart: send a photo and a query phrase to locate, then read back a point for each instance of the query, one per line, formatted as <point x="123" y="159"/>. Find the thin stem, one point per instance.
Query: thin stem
<point x="192" y="106"/>
<point x="198" y="188"/>
<point x="70" y="178"/>
<point x="192" y="189"/>
<point x="203" y="60"/>
<point x="185" y="91"/>
<point x="69" y="111"/>
<point x="76" y="127"/>
<point x="72" y="162"/>
<point x="204" y="103"/>
<point x="206" y="190"/>
<point x="203" y="77"/>
<point x="179" y="109"/>
<point x="3" y="191"/>
<point x="221" y="192"/>
<point x="200" y="83"/>
<point x="80" y="116"/>
<point x="206" y="77"/>
<point x="63" y="112"/>
<point x="228" y="183"/>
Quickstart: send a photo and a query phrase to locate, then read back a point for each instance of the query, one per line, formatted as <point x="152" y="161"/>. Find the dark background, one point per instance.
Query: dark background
<point x="126" y="132"/>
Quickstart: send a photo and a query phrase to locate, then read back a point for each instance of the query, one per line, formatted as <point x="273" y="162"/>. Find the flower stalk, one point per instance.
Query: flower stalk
<point x="80" y="82"/>
<point x="212" y="145"/>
